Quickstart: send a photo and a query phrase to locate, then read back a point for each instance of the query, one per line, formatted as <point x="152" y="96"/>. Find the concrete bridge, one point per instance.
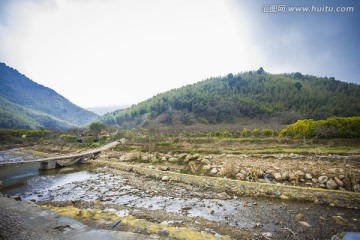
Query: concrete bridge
<point x="65" y="160"/>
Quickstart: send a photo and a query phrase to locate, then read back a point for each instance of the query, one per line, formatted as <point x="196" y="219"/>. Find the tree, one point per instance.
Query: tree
<point x="97" y="127"/>
<point x="261" y="71"/>
<point x="298" y="86"/>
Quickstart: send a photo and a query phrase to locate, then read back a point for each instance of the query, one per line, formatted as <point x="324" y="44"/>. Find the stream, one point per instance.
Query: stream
<point x="86" y="183"/>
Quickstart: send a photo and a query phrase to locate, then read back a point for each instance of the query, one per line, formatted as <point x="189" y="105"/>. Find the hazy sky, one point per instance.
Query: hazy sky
<point x="115" y="52"/>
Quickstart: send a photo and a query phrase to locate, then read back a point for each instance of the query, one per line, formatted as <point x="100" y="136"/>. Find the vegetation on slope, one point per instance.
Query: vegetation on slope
<point x="285" y="98"/>
<point x="17" y="117"/>
<point x="26" y="104"/>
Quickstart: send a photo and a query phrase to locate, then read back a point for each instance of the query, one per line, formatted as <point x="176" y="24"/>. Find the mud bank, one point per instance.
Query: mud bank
<point x="24" y="221"/>
<point x="318" y="196"/>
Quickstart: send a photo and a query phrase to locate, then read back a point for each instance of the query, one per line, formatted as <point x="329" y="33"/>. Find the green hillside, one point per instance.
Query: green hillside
<point x="26" y="104"/>
<point x="282" y="98"/>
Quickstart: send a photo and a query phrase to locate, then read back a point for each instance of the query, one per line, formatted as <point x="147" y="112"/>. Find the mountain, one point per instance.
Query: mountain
<point x="280" y="98"/>
<point x="101" y="110"/>
<point x="26" y="104"/>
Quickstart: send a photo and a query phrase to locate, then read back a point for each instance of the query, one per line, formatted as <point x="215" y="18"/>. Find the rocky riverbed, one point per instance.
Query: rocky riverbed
<point x="178" y="205"/>
<point x="159" y="208"/>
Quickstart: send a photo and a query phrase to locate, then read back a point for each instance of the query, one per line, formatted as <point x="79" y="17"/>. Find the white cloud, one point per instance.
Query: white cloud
<point x="115" y="52"/>
<point x="123" y="51"/>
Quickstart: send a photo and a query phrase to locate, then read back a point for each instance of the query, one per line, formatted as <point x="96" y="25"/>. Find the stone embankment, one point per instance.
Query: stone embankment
<point x="328" y="172"/>
<point x="290" y="176"/>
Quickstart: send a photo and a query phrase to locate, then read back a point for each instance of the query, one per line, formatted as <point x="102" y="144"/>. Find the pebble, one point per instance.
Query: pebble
<point x="277" y="176"/>
<point x="165" y="178"/>
<point x="164" y="233"/>
<point x="340" y="220"/>
<point x="164" y="168"/>
<point x="323" y="179"/>
<point x="339" y="182"/>
<point x="305" y="224"/>
<point x="308" y="176"/>
<point x="267" y="234"/>
<point x="285" y="175"/>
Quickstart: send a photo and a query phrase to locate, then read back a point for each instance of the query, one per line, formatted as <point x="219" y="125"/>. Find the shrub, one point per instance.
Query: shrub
<point x="89" y="139"/>
<point x="68" y="138"/>
<point x="334" y="127"/>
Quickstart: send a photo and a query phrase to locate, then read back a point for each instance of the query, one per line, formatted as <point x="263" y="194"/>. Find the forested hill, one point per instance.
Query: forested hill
<point x="26" y="104"/>
<point x="255" y="94"/>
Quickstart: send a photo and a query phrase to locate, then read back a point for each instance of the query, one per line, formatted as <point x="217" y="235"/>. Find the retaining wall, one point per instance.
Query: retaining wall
<point x="317" y="195"/>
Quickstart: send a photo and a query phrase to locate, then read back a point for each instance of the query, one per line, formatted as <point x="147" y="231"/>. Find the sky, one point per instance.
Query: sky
<point x="121" y="52"/>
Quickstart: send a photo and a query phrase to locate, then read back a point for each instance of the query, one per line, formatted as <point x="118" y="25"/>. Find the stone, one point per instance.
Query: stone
<point x="206" y="167"/>
<point x="292" y="176"/>
<point x="308" y="176"/>
<point x="17" y="198"/>
<point x="129" y="169"/>
<point x="205" y="162"/>
<point x="164" y="168"/>
<point x="196" y="156"/>
<point x="266" y="180"/>
<point x="131" y="156"/>
<point x="323" y="179"/>
<point x="173" y="160"/>
<point x="165" y="178"/>
<point x="285" y="175"/>
<point x="357" y="188"/>
<point x="314" y="180"/>
<point x="240" y="176"/>
<point x="145" y="158"/>
<point x="331" y="184"/>
<point x="164" y="233"/>
<point x="186" y="208"/>
<point x="304" y="224"/>
<point x="340" y="220"/>
<point x="283" y="197"/>
<point x="300" y="173"/>
<point x="322" y="185"/>
<point x="339" y="182"/>
<point x="267" y="234"/>
<point x="213" y="171"/>
<point x="299" y="217"/>
<point x="277" y="176"/>
<point x="223" y="195"/>
<point x="259" y="173"/>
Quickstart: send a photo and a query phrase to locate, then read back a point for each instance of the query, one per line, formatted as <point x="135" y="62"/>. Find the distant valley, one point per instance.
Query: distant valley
<point x="101" y="110"/>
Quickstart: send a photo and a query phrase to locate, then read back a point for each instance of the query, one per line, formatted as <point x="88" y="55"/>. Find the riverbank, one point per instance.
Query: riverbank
<point x="27" y="221"/>
<point x="167" y="205"/>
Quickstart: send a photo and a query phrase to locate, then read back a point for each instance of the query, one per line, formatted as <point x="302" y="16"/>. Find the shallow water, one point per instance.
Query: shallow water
<point x="26" y="177"/>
